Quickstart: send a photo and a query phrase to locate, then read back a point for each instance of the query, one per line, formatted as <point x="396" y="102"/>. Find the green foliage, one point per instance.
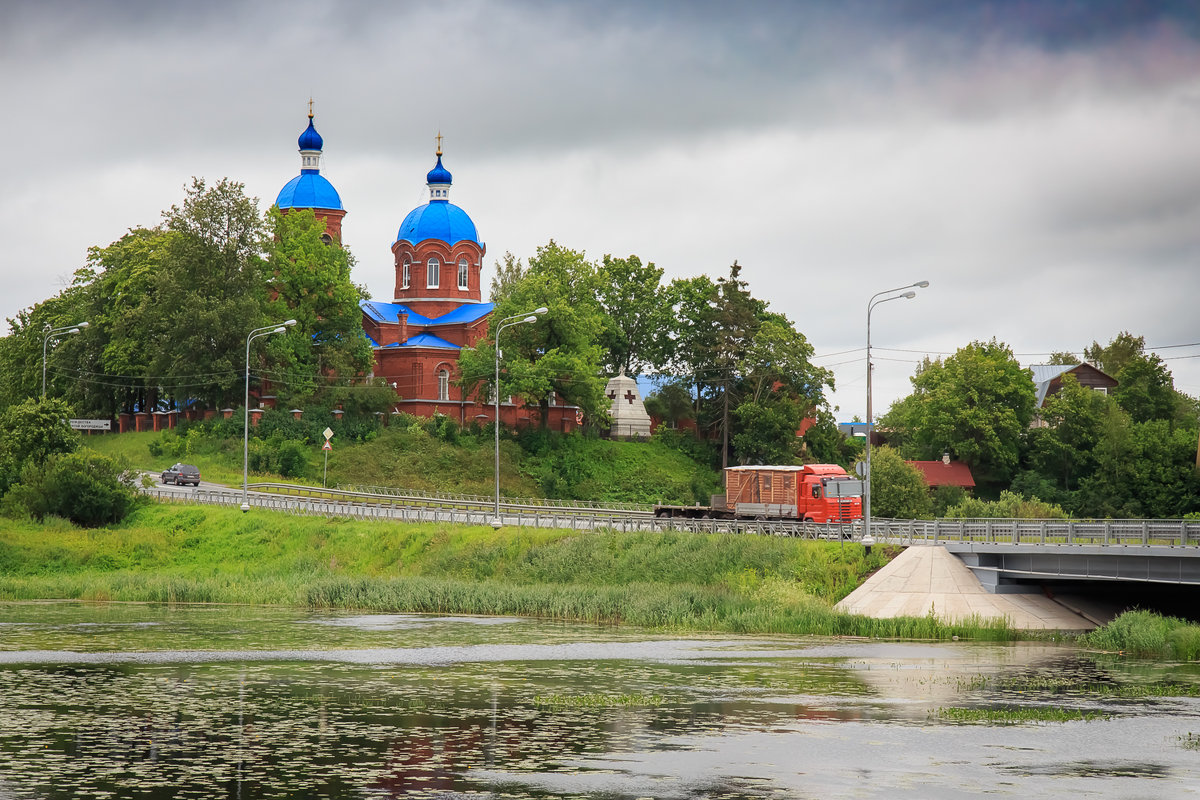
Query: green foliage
<point x="310" y="281"/>
<point x="825" y="444"/>
<point x="574" y="467"/>
<point x="671" y="403"/>
<point x="898" y="490"/>
<point x="1146" y="634"/>
<point x="559" y="352"/>
<point x="85" y="488"/>
<point x="946" y="497"/>
<point x="976" y="404"/>
<point x="632" y="298"/>
<point x="33" y="431"/>
<point x="1009" y="506"/>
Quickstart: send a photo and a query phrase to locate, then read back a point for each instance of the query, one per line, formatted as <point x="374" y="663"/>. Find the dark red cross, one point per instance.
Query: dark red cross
<point x="630" y="396"/>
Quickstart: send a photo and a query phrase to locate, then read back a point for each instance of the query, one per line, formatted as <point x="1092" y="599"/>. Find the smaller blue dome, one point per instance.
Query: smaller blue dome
<point x="309" y="190"/>
<point x="310" y="139"/>
<point x="440" y="220"/>
<point x="438" y="174"/>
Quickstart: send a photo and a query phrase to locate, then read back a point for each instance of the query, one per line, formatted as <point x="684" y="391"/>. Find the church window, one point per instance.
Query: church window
<point x="462" y="273"/>
<point x="416" y="380"/>
<point x="443" y="384"/>
<point x="404" y="277"/>
<point x="431" y="276"/>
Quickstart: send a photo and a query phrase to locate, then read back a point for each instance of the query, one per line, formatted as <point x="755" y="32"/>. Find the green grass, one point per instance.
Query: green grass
<point x="1146" y="634"/>
<point x="411" y="457"/>
<point x="1022" y="715"/>
<point x="676" y="581"/>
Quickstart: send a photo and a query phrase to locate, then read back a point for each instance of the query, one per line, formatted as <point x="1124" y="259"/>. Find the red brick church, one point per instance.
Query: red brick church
<point x="437" y="305"/>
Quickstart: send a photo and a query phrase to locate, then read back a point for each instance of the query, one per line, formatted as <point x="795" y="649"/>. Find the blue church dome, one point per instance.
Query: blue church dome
<point x="438" y="174"/>
<point x="440" y="220"/>
<point x="310" y="139"/>
<point x="309" y="190"/>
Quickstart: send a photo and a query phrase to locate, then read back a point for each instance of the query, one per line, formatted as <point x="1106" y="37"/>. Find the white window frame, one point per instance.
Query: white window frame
<point x="443" y="384"/>
<point x="433" y="268"/>
<point x="463" y="274"/>
<point x="406" y="272"/>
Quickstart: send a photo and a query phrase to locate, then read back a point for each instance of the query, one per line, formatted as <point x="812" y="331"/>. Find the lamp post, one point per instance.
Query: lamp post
<point x="908" y="295"/>
<point x="507" y="322"/>
<point x="54" y="333"/>
<point x="254" y="334"/>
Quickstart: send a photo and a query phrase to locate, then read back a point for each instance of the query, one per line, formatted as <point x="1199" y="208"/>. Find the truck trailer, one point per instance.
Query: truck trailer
<point x="808" y="493"/>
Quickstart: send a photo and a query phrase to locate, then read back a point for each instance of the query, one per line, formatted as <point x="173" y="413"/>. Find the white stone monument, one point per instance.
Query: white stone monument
<point x="628" y="412"/>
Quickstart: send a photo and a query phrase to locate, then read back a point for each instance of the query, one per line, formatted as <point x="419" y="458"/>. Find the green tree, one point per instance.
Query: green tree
<point x="898" y="490"/>
<point x="671" y="402"/>
<point x="690" y="333"/>
<point x="310" y="282"/>
<point x="1112" y="358"/>
<point x="1063" y="452"/>
<point x="1145" y="388"/>
<point x="632" y="297"/>
<point x="32" y="432"/>
<point x="558" y="353"/>
<point x="210" y="293"/>
<point x="976" y="404"/>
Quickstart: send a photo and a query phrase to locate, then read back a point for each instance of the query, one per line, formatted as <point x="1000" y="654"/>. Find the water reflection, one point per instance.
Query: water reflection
<point x="200" y="702"/>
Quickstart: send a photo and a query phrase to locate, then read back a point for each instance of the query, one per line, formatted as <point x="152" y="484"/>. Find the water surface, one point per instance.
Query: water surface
<point x="126" y="700"/>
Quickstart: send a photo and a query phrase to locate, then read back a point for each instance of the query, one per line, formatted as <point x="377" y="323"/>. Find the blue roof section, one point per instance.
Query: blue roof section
<point x="309" y="190"/>
<point x="439" y="219"/>
<point x="429" y="340"/>
<point x="390" y="312"/>
<point x="469" y="312"/>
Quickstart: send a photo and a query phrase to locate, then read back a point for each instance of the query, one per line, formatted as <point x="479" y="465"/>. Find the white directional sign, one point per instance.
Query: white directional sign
<point x="91" y="424"/>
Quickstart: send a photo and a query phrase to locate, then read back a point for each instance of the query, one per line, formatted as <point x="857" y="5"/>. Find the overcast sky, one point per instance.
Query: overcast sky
<point x="1037" y="162"/>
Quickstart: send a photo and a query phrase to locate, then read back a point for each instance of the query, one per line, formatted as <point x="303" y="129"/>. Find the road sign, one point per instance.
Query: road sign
<point x="328" y="434"/>
<point x="327" y="445"/>
<point x="91" y="424"/>
<point x="861" y="468"/>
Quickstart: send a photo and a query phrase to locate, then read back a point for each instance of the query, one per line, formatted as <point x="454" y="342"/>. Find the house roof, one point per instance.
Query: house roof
<point x="939" y="473"/>
<point x="1044" y="376"/>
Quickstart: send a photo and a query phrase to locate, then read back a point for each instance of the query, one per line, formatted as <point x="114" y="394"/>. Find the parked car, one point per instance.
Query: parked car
<point x="181" y="474"/>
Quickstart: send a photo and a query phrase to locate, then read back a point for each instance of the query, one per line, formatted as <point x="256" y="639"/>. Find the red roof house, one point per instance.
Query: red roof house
<point x="945" y="473"/>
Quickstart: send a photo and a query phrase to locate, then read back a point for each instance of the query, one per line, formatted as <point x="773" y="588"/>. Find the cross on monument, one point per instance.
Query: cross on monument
<point x="630" y="396"/>
<point x="612" y="395"/>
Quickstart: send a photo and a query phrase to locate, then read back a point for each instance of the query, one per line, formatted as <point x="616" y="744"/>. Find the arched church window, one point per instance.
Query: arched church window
<point x="405" y="273"/>
<point x="462" y="273"/>
<point x="431" y="275"/>
<point x="443" y="384"/>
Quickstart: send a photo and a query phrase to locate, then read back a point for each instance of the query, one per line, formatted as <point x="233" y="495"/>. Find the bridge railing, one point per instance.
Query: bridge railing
<point x="1040" y="531"/>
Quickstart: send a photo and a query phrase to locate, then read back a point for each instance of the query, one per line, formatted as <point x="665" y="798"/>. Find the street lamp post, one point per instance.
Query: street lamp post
<point x="54" y="333"/>
<point x="908" y="295"/>
<point x="254" y="334"/>
<point x="507" y="322"/>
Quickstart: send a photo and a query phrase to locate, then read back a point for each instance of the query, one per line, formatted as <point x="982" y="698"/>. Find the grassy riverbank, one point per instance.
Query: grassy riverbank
<point x="749" y="584"/>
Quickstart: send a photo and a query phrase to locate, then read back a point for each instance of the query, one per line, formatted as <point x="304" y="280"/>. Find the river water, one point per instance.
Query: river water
<point x="117" y="701"/>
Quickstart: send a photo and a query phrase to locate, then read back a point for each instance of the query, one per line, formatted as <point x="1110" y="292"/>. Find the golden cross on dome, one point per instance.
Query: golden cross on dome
<point x="310" y="108"/>
<point x="439" y="138"/>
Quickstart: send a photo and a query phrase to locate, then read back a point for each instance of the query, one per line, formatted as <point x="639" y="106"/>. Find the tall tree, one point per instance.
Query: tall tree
<point x="558" y="353"/>
<point x="631" y="295"/>
<point x="1112" y="358"/>
<point x="210" y="294"/>
<point x="310" y="282"/>
<point x="976" y="404"/>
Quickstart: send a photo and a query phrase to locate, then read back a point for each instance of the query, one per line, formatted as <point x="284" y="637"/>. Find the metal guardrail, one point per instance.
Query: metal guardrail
<point x="475" y="499"/>
<point x="311" y="501"/>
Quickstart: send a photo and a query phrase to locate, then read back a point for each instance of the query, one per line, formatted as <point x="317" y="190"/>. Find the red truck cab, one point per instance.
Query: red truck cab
<point x="812" y="493"/>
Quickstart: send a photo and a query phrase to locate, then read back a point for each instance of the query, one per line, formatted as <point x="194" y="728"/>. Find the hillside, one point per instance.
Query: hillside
<point x="420" y="456"/>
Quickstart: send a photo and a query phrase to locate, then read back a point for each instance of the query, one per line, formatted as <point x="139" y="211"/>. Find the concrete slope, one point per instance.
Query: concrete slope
<point x="927" y="578"/>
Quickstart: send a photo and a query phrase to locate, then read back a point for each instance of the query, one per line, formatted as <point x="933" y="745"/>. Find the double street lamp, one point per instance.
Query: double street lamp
<point x="54" y="333"/>
<point x="507" y="322"/>
<point x="907" y="295"/>
<point x="254" y="334"/>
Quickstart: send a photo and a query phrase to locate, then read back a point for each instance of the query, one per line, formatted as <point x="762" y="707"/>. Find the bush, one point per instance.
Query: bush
<point x="1009" y="506"/>
<point x="87" y="488"/>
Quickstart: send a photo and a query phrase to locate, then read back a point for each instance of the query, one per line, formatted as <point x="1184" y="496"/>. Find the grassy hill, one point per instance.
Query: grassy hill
<point x="422" y="456"/>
